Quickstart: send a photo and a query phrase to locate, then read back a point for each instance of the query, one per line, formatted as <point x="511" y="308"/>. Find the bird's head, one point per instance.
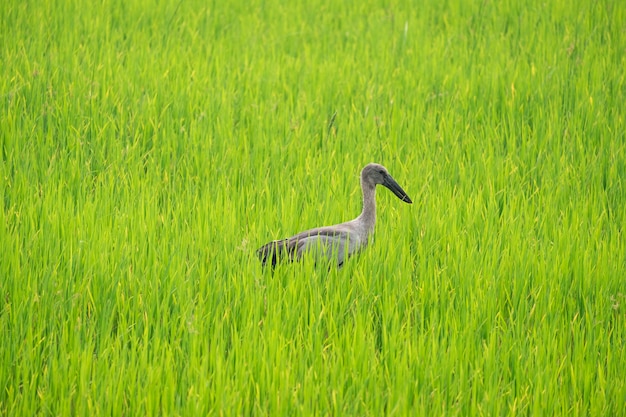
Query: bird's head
<point x="374" y="174"/>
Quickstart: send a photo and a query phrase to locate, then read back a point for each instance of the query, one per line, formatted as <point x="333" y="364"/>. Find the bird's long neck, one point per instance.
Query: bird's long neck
<point x="368" y="214"/>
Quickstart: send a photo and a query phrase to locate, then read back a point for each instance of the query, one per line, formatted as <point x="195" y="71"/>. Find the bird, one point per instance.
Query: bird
<point x="340" y="241"/>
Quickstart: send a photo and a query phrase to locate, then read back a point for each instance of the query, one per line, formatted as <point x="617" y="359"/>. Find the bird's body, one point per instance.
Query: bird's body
<point x="340" y="241"/>
<point x="327" y="242"/>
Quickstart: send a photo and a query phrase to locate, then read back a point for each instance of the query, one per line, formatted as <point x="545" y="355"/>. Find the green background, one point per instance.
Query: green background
<point x="148" y="148"/>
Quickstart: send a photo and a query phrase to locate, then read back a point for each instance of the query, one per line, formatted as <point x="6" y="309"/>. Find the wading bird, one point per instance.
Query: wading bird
<point x="342" y="240"/>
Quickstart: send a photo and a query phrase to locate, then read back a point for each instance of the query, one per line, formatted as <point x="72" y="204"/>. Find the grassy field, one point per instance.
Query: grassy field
<point x="149" y="147"/>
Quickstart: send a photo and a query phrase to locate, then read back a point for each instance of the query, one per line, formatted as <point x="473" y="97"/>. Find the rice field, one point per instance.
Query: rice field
<point x="148" y="148"/>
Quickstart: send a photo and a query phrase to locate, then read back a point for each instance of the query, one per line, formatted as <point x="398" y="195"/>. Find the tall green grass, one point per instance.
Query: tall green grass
<point x="148" y="148"/>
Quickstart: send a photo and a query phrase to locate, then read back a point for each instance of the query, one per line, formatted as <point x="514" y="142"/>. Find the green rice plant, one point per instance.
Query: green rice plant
<point x="148" y="148"/>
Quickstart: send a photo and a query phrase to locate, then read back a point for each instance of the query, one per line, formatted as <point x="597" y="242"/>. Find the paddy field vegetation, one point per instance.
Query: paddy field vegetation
<point x="147" y="148"/>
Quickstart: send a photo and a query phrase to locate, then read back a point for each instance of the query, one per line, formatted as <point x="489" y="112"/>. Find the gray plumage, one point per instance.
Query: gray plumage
<point x="342" y="240"/>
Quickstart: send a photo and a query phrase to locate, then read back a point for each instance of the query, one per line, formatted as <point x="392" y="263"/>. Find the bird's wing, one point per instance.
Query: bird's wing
<point x="324" y="242"/>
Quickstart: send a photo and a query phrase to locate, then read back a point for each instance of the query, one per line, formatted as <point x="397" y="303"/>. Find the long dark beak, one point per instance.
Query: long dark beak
<point x="390" y="183"/>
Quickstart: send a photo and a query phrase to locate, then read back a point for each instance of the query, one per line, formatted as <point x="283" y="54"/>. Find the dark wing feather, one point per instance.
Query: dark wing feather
<point x="275" y="251"/>
<point x="288" y="249"/>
